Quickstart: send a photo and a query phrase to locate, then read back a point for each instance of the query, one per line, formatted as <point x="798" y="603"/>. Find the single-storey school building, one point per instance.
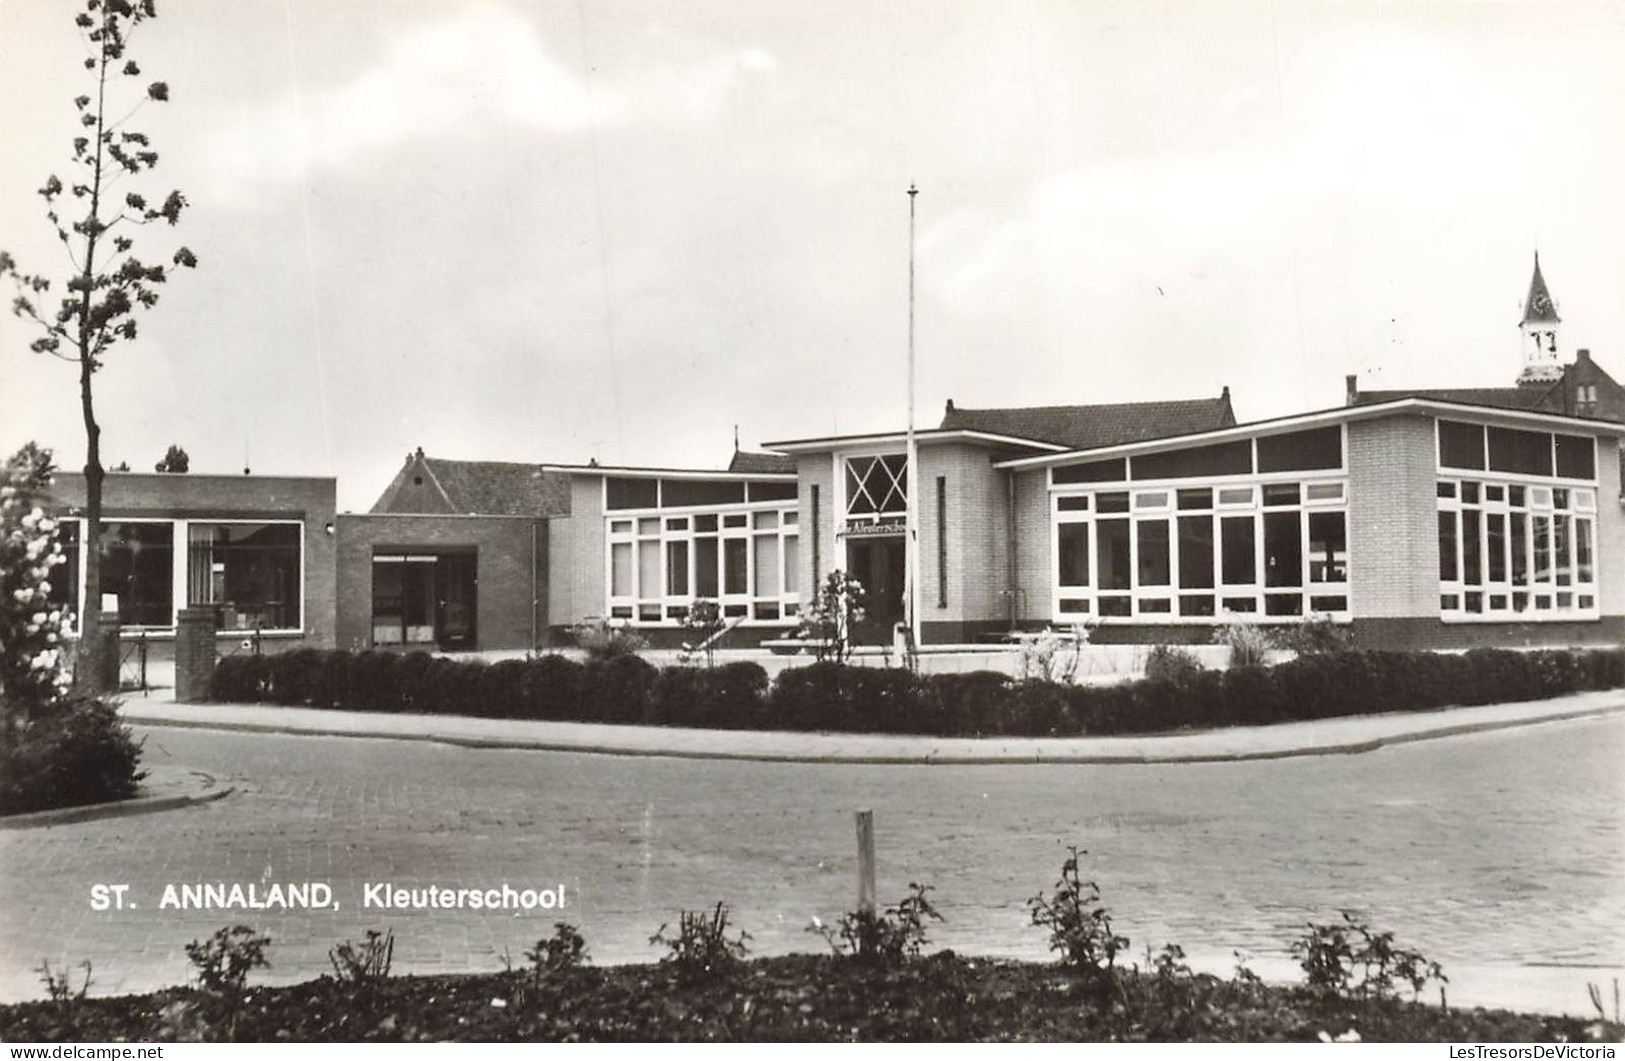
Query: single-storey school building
<point x="1427" y="518"/>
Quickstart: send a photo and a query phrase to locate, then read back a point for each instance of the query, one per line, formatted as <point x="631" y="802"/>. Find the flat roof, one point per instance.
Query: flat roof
<point x="1338" y="415"/>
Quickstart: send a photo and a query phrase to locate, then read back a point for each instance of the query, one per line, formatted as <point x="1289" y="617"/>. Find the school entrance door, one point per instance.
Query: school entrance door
<point x="878" y="563"/>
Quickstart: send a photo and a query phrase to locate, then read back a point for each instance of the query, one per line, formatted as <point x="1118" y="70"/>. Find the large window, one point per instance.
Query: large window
<point x="1516" y="536"/>
<point x="138" y="567"/>
<point x="742" y="555"/>
<point x="250" y="573"/>
<point x="1273" y="548"/>
<point x="1516" y="550"/>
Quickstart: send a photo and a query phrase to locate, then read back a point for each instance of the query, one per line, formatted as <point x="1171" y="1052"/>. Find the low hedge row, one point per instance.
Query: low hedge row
<point x="829" y="696"/>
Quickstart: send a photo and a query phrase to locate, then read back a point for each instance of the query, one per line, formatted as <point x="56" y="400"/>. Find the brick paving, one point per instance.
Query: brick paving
<point x="1499" y="853"/>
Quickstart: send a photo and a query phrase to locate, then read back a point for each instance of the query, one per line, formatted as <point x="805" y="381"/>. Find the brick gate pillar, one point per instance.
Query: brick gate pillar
<point x="194" y="654"/>
<point x="111" y="654"/>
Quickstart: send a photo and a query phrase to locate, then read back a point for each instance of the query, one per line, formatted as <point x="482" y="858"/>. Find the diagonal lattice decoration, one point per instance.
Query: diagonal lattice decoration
<point x="877" y="485"/>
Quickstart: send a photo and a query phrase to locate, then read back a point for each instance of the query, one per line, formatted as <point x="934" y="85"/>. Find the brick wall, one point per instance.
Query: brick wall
<point x="977" y="526"/>
<point x="1034" y="561"/>
<point x="1393" y="517"/>
<point x="816" y="469"/>
<point x="204" y="497"/>
<point x="580" y="576"/>
<point x="504" y="614"/>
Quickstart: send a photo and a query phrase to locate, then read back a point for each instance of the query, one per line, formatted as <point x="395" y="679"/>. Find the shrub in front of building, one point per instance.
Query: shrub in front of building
<point x="56" y="749"/>
<point x="834" y="697"/>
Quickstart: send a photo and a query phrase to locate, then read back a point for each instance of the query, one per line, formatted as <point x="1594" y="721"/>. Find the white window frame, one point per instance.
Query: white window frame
<point x="181" y="543"/>
<point x="1170" y="514"/>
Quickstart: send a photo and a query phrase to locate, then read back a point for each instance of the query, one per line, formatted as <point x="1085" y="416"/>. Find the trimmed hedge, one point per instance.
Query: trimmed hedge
<point x="831" y="696"/>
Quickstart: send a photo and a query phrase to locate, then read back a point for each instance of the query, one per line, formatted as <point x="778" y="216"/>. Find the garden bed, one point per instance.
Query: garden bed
<point x="800" y="997"/>
<point x="831" y="697"/>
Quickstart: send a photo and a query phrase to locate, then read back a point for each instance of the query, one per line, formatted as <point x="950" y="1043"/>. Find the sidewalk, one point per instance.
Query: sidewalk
<point x="1325" y="737"/>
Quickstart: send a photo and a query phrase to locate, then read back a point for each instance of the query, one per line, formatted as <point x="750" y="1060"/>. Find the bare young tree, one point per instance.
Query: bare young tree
<point x="106" y="283"/>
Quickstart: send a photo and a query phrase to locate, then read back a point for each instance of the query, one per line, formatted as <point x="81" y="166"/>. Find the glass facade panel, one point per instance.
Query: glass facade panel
<point x="767" y="565"/>
<point x="1317" y="449"/>
<point x="64" y="577"/>
<point x="1224" y="458"/>
<point x="705" y="568"/>
<point x="1328" y="547"/>
<point x="677" y="569"/>
<point x="1576" y="457"/>
<point x="1153" y="552"/>
<point x="249" y="572"/>
<point x="1461" y="445"/>
<point x="1072" y="552"/>
<point x="1195" y="553"/>
<point x="138" y="565"/>
<point x="1112" y="550"/>
<point x="648" y="569"/>
<point x="1239" y="558"/>
<point x="1447" y="547"/>
<point x="1283" y="551"/>
<point x="631" y="493"/>
<point x="734" y="565"/>
<point x="1495" y="545"/>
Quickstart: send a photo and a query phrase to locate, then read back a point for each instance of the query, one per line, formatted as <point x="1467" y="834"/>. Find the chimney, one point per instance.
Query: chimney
<point x="1582" y="356"/>
<point x="1351" y="390"/>
<point x="950" y="408"/>
<point x="420" y="453"/>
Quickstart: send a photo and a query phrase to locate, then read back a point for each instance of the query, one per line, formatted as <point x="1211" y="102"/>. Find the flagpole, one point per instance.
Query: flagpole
<point x="912" y="559"/>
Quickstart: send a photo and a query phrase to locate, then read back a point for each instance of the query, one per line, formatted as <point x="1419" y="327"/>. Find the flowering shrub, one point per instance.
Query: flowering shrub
<point x="32" y="630"/>
<point x="832" y="616"/>
<point x="55" y="750"/>
<point x="1249" y="643"/>
<point x="1053" y="656"/>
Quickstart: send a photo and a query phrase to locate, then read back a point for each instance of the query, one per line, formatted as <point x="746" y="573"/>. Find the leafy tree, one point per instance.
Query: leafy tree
<point x="95" y="215"/>
<point x="175" y="460"/>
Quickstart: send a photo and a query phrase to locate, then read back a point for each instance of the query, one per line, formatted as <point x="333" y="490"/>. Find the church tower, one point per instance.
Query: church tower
<point x="1539" y="328"/>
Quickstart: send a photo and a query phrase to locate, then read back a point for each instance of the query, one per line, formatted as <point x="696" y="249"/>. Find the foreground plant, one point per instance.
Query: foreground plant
<point x="65" y="998"/>
<point x="885" y="938"/>
<point x="1080" y="927"/>
<point x="552" y="956"/>
<point x="223" y="963"/>
<point x="365" y="965"/>
<point x="702" y="951"/>
<point x="1332" y="954"/>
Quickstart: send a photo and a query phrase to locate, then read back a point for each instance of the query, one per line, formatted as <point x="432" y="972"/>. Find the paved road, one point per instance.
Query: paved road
<point x="1500" y="853"/>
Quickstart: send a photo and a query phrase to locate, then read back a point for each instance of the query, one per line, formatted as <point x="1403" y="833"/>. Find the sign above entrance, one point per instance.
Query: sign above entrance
<point x="880" y="528"/>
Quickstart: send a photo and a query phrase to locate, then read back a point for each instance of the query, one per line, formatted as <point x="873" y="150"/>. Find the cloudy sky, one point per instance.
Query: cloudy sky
<point x="556" y="231"/>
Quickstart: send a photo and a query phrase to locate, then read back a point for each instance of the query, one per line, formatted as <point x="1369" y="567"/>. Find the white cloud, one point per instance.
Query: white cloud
<point x="484" y="63"/>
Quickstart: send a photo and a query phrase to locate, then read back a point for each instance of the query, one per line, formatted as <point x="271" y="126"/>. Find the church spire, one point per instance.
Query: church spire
<point x="1537" y="306"/>
<point x="1539" y="328"/>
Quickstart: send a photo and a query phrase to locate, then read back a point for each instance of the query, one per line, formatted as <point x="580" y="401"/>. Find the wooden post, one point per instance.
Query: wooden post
<point x="866" y="860"/>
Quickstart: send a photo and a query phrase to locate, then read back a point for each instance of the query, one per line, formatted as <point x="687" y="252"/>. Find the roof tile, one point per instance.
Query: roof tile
<point x="1091" y="426"/>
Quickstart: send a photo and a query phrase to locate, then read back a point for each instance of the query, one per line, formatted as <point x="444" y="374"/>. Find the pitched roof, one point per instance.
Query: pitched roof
<point x="1525" y="398"/>
<point x="1537" y="306"/>
<point x="762" y="463"/>
<point x="496" y="488"/>
<point x="1089" y="426"/>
